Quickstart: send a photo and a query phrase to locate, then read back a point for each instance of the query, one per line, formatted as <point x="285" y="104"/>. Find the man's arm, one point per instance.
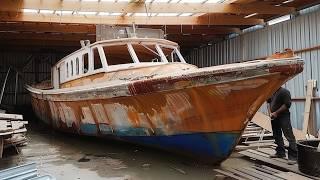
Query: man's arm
<point x="278" y="111"/>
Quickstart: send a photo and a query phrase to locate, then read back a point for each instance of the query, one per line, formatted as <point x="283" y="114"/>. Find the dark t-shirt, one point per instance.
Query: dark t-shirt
<point x="280" y="97"/>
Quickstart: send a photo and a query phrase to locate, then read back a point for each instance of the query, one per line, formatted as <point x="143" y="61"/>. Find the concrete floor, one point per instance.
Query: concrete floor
<point x="72" y="157"/>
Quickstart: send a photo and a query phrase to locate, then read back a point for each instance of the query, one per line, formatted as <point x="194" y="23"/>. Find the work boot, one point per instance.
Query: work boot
<point x="277" y="155"/>
<point x="292" y="161"/>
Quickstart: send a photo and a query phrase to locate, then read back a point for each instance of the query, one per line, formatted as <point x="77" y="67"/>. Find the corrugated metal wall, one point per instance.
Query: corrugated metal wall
<point x="298" y="33"/>
<point x="33" y="67"/>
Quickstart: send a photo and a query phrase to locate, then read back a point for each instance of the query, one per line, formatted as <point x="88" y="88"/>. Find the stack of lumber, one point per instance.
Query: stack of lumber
<point x="258" y="133"/>
<point x="264" y="121"/>
<point x="255" y="136"/>
<point x="263" y="155"/>
<point x="12" y="131"/>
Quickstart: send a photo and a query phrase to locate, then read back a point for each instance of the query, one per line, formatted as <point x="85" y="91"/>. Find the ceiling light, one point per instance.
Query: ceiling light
<point x="91" y="0"/>
<point x="168" y="14"/>
<point x="279" y="19"/>
<point x="145" y="14"/>
<point x="86" y="13"/>
<point x="103" y="14"/>
<point x="199" y="14"/>
<point x="186" y="14"/>
<point x="43" y="11"/>
<point x="288" y="1"/>
<point x="30" y="10"/>
<point x="250" y="15"/>
<point x="174" y="1"/>
<point x="213" y="1"/>
<point x="64" y="12"/>
<point x="191" y="1"/>
<point x="115" y="14"/>
<point x="159" y="1"/>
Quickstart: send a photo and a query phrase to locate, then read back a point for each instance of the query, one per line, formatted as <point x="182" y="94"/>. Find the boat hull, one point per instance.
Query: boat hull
<point x="210" y="148"/>
<point x="201" y="116"/>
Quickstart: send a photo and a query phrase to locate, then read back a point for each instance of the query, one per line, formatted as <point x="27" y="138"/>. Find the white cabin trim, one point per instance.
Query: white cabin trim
<point x="74" y="66"/>
<point x="133" y="53"/>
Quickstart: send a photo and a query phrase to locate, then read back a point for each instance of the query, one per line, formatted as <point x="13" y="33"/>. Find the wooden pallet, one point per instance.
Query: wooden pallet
<point x="259" y="172"/>
<point x="263" y="154"/>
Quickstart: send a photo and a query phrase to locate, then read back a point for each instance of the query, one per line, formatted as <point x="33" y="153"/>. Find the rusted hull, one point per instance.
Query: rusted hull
<point x="202" y="115"/>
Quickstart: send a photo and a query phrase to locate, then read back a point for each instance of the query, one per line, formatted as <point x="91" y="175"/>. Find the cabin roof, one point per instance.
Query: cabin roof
<point x="117" y="41"/>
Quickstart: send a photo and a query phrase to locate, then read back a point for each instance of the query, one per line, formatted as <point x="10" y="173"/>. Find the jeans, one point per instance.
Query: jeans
<point x="283" y="124"/>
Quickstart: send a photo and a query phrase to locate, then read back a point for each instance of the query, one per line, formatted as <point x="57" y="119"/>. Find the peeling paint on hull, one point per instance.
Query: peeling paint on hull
<point x="200" y="113"/>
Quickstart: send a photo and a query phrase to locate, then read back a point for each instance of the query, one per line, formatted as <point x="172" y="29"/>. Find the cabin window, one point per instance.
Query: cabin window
<point x="85" y="58"/>
<point x="77" y="66"/>
<point x="117" y="55"/>
<point x="67" y="68"/>
<point x="96" y="59"/>
<point x="71" y="70"/>
<point x="170" y="54"/>
<point x="146" y="53"/>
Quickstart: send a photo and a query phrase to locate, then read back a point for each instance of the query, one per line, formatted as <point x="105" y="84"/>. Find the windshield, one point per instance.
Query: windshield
<point x="146" y="53"/>
<point x="170" y="54"/>
<point x="139" y="52"/>
<point x="117" y="55"/>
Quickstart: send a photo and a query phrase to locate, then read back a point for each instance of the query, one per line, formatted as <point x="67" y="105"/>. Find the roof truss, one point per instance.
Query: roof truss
<point x="141" y="7"/>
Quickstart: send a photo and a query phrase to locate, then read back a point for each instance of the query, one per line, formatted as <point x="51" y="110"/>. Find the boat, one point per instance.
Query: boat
<point x="141" y="90"/>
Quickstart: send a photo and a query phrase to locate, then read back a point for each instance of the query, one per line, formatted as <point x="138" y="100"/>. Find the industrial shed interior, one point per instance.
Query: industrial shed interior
<point x="196" y="109"/>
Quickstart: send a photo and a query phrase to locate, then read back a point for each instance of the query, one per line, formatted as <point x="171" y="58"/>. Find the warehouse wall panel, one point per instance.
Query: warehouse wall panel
<point x="31" y="67"/>
<point x="299" y="33"/>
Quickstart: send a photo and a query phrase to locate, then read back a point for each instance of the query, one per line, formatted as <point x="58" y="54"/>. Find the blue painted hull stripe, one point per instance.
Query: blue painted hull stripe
<point x="212" y="147"/>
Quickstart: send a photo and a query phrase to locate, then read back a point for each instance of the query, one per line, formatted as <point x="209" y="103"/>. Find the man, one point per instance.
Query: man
<point x="278" y="106"/>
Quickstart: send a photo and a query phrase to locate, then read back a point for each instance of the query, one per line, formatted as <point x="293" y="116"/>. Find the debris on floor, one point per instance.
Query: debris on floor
<point x="263" y="155"/>
<point x="12" y="131"/>
<point x="259" y="172"/>
<point x="258" y="144"/>
<point x="23" y="172"/>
